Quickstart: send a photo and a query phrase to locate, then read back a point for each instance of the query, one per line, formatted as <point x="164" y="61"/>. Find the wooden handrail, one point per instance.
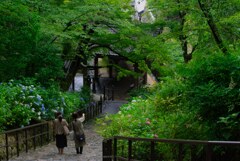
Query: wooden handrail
<point x="181" y="147"/>
<point x="35" y="135"/>
<point x="178" y="140"/>
<point x="20" y="139"/>
<point x="24" y="128"/>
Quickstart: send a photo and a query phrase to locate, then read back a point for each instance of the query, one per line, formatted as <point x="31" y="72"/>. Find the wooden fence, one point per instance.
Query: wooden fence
<point x="108" y="93"/>
<point x="144" y="149"/>
<point x="14" y="142"/>
<point x="22" y="139"/>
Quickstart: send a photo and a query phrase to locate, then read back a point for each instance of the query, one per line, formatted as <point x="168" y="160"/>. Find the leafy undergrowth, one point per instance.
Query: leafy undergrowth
<point x="26" y="102"/>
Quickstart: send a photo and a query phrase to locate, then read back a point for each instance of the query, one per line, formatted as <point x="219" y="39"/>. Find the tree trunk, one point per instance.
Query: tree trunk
<point x="213" y="27"/>
<point x="187" y="56"/>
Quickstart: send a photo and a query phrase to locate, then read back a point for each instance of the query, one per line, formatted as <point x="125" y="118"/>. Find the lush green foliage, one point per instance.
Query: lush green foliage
<point x="213" y="90"/>
<point x="192" y="100"/>
<point x="24" y="49"/>
<point x="200" y="103"/>
<point x="155" y="117"/>
<point x="197" y="100"/>
<point x="18" y="29"/>
<point x="25" y="102"/>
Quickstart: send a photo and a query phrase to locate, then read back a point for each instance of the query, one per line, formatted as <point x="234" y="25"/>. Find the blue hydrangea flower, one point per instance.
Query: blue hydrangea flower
<point x="43" y="108"/>
<point x="39" y="98"/>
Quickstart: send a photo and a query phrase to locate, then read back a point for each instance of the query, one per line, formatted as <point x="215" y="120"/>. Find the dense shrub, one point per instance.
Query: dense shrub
<point x="213" y="90"/>
<point x="200" y="102"/>
<point x="25" y="102"/>
<point x="142" y="118"/>
<point x="24" y="47"/>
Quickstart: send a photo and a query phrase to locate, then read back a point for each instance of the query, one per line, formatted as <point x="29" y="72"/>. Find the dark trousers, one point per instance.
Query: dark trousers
<point x="79" y="150"/>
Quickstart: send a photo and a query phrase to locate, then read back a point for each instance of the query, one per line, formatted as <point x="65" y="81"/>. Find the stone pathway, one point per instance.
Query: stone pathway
<point x="92" y="151"/>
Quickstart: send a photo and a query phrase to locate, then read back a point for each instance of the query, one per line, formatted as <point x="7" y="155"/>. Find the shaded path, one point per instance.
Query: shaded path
<point x="91" y="152"/>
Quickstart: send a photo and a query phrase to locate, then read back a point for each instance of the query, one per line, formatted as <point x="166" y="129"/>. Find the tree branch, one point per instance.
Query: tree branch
<point x="94" y="46"/>
<point x="187" y="57"/>
<point x="65" y="29"/>
<point x="147" y="62"/>
<point x="213" y="27"/>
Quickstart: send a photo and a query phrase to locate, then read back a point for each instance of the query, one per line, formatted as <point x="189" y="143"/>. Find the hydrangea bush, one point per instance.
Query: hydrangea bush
<point x="22" y="104"/>
<point x="143" y="118"/>
<point x="155" y="114"/>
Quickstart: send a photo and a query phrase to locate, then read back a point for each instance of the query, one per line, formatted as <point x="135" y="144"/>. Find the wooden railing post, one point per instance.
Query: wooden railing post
<point x="17" y="143"/>
<point x="129" y="149"/>
<point x="95" y="109"/>
<point x="208" y="152"/>
<point x="104" y="93"/>
<point x="193" y="152"/>
<point x="34" y="138"/>
<point x="41" y="135"/>
<point x="26" y="140"/>
<point x="115" y="149"/>
<point x="53" y="133"/>
<point x="101" y="103"/>
<point x="180" y="152"/>
<point x="48" y="132"/>
<point x="107" y="150"/>
<point x="152" y="153"/>
<point x="6" y="143"/>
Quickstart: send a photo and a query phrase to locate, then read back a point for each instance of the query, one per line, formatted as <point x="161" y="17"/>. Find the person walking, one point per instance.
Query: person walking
<point x="61" y="138"/>
<point x="79" y="136"/>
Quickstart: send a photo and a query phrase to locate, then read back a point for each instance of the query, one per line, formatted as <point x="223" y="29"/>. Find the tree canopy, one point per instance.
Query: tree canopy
<point x="191" y="47"/>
